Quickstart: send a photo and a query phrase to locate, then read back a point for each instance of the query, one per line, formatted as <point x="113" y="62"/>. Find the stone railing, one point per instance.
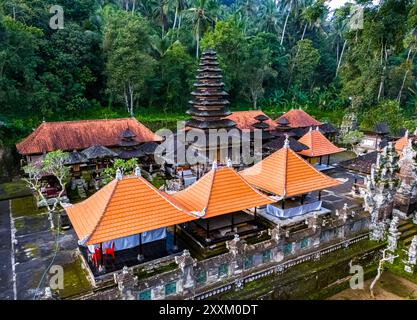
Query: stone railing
<point x="244" y="262"/>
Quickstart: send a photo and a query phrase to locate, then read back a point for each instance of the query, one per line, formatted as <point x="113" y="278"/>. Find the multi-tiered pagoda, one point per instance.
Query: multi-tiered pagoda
<point x="210" y="105"/>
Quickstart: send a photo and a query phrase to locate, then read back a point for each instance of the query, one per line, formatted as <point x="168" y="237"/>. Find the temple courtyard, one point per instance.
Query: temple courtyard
<point x="36" y="243"/>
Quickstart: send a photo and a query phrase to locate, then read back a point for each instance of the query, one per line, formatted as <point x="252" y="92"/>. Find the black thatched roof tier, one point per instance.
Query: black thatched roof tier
<point x="278" y="143"/>
<point x="98" y="152"/>
<point x="282" y="121"/>
<point x="128" y="143"/>
<point x="210" y="93"/>
<point x="209" y="76"/>
<point x="208" y="113"/>
<point x="76" y="157"/>
<point x="208" y="85"/>
<point x="299" y="132"/>
<point x="208" y="109"/>
<point x="210" y="124"/>
<point x="328" y="128"/>
<point x="260" y="125"/>
<point x="128" y="134"/>
<point x="206" y="103"/>
<point x="261" y="117"/>
<point x="362" y="163"/>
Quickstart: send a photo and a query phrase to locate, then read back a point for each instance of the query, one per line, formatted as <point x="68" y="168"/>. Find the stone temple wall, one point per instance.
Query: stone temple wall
<point x="244" y="263"/>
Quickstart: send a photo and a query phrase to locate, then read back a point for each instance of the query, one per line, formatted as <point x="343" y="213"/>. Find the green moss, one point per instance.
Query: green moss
<point x="31" y="249"/>
<point x="301" y="272"/>
<point x="158" y="181"/>
<point x="13" y="190"/>
<point x="19" y="224"/>
<point x="143" y="274"/>
<point x="75" y="280"/>
<point x="26" y="206"/>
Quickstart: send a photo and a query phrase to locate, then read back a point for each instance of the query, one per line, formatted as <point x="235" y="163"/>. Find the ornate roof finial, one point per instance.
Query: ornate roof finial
<point x="286" y="142"/>
<point x="214" y="165"/>
<point x="229" y="163"/>
<point x="119" y="175"/>
<point x="311" y="129"/>
<point x="317" y="128"/>
<point x="138" y="172"/>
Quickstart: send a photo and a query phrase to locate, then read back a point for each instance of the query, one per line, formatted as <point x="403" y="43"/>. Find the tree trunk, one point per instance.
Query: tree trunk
<point x="405" y="78"/>
<point x="285" y="26"/>
<point x="304" y="32"/>
<point x="175" y="18"/>
<point x="341" y="57"/>
<point x="381" y="84"/>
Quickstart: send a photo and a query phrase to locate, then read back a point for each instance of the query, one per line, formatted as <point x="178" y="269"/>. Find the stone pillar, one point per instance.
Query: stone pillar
<point x="393" y="236"/>
<point x="236" y="249"/>
<point x="186" y="264"/>
<point x="410" y="264"/>
<point x="276" y="237"/>
<point x="405" y="200"/>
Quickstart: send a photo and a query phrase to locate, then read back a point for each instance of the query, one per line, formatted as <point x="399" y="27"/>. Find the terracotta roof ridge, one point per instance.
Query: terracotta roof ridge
<point x="163" y="196"/>
<point x="87" y="120"/>
<point x="249" y="185"/>
<point x="285" y="171"/>
<point x="211" y="187"/>
<point x="319" y="172"/>
<point x="116" y="181"/>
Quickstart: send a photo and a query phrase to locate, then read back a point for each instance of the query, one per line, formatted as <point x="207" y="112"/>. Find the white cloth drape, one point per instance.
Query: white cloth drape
<point x="292" y="212"/>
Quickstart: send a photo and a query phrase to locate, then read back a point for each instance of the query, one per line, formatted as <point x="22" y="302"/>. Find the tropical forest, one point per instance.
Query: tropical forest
<point x="122" y="58"/>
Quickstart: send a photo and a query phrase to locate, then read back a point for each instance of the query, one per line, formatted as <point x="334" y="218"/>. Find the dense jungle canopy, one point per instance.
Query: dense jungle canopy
<point x="139" y="57"/>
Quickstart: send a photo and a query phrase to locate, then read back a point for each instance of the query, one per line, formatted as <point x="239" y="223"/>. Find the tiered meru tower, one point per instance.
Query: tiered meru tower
<point x="209" y="109"/>
<point x="210" y="105"/>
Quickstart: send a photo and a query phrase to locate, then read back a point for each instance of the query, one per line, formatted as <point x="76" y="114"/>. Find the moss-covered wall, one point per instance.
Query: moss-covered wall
<point x="315" y="279"/>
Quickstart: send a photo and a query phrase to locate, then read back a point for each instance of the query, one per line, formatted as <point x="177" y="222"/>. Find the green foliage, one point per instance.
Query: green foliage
<point x="352" y="138"/>
<point x="126" y="166"/>
<point x="118" y="58"/>
<point x="388" y="112"/>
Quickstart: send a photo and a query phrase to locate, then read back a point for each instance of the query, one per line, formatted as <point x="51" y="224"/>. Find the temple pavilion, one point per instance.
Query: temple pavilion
<point x="226" y="204"/>
<point x="318" y="147"/>
<point x="130" y="216"/>
<point x="291" y="181"/>
<point x="130" y="221"/>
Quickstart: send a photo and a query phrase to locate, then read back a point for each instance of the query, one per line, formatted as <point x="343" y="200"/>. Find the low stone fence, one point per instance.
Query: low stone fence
<point x="245" y="262"/>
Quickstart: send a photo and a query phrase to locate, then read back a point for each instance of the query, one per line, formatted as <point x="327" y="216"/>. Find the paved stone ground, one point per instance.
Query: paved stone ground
<point x="35" y="250"/>
<point x="6" y="276"/>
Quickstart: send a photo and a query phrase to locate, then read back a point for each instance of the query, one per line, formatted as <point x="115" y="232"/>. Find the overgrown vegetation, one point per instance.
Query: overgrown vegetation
<point x="116" y="58"/>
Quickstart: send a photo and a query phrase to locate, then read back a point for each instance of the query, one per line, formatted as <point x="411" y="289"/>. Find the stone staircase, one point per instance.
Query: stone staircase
<point x="81" y="190"/>
<point x="408" y="230"/>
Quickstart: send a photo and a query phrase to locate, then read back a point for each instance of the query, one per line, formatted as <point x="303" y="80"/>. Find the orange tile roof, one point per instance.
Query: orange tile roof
<point x="299" y="119"/>
<point x="123" y="208"/>
<point x="401" y="143"/>
<point x="318" y="145"/>
<point x="221" y="191"/>
<point x="78" y="135"/>
<point x="286" y="174"/>
<point x="245" y="119"/>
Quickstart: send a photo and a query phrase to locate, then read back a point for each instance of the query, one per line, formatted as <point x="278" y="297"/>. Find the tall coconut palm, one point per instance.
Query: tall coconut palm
<point x="269" y="16"/>
<point x="199" y="19"/>
<point x="179" y="5"/>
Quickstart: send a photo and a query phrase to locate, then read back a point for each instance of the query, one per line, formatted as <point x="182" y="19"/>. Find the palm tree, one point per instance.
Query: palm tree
<point x="269" y="16"/>
<point x="179" y="5"/>
<point x="197" y="15"/>
<point x="160" y="11"/>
